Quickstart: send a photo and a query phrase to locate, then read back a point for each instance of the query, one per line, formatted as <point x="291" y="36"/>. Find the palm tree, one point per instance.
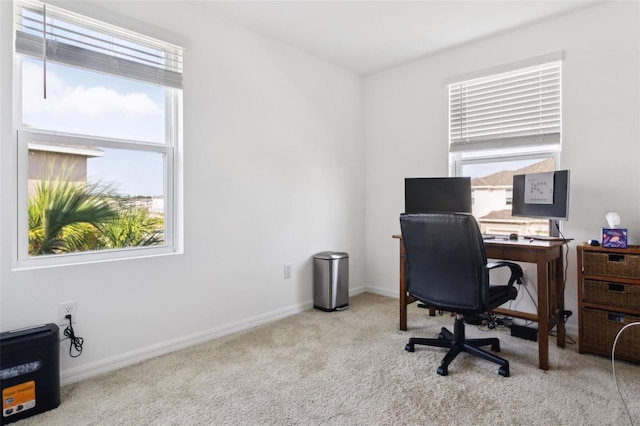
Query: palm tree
<point x="65" y="216"/>
<point x="131" y="228"/>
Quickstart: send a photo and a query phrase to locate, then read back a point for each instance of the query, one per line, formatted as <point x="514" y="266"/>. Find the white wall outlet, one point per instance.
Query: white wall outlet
<point x="67" y="308"/>
<point x="287" y="270"/>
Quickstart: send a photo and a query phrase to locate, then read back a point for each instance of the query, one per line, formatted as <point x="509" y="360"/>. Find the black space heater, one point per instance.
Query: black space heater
<point x="29" y="372"/>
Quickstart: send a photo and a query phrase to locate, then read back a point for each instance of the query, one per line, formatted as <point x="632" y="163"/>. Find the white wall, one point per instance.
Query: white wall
<point x="406" y="127"/>
<point x="273" y="173"/>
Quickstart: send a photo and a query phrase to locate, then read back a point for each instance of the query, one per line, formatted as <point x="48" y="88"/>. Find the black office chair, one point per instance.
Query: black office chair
<point x="446" y="268"/>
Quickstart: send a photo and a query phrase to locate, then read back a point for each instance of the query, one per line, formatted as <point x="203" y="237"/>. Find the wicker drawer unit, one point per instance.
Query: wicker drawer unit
<point x="612" y="264"/>
<point x="600" y="329"/>
<point x="611" y="294"/>
<point x="608" y="299"/>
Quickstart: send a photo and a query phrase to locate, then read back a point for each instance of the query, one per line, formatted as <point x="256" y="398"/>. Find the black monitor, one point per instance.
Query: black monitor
<point x="557" y="210"/>
<point x="440" y="194"/>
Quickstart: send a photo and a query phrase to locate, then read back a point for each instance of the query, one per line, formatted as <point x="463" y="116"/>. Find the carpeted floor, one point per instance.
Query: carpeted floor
<point x="350" y="368"/>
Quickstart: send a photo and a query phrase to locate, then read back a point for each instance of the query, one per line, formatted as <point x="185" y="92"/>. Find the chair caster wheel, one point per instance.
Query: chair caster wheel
<point x="409" y="347"/>
<point x="504" y="371"/>
<point x="443" y="371"/>
<point x="441" y="336"/>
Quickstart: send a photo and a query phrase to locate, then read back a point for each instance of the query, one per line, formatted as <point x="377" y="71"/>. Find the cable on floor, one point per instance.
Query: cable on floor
<point x="613" y="367"/>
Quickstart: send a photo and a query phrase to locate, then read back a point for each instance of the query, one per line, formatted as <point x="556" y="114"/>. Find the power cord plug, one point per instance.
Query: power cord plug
<point x="76" y="342"/>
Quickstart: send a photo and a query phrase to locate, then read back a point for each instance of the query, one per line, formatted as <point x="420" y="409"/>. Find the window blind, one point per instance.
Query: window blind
<point x="516" y="108"/>
<point x="57" y="35"/>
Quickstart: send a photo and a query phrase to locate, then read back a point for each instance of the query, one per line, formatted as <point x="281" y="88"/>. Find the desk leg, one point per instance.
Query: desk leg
<point x="403" y="311"/>
<point x="403" y="291"/>
<point x="559" y="289"/>
<point x="543" y="316"/>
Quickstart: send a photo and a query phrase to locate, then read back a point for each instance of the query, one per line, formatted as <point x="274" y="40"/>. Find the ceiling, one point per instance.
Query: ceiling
<point x="367" y="36"/>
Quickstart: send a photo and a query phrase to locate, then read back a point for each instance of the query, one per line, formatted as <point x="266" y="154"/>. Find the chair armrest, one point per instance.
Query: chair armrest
<point x="516" y="270"/>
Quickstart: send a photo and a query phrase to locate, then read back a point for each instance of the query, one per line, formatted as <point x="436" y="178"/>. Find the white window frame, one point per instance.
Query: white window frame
<point x="171" y="148"/>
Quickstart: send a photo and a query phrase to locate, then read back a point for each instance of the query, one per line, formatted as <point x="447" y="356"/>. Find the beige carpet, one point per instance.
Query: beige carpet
<point x="350" y="368"/>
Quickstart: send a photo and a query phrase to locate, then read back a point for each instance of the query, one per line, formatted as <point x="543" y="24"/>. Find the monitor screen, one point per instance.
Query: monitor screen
<point x="432" y="195"/>
<point x="558" y="208"/>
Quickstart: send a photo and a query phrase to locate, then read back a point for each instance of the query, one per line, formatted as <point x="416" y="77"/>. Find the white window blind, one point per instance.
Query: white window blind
<point x="56" y="35"/>
<point x="516" y="108"/>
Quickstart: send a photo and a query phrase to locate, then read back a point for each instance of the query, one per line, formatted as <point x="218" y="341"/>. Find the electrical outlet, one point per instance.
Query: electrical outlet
<point x="287" y="270"/>
<point x="67" y="308"/>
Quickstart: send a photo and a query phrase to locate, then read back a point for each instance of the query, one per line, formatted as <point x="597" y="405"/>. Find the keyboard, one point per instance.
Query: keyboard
<point x="544" y="238"/>
<point x="524" y="237"/>
<point x="495" y="236"/>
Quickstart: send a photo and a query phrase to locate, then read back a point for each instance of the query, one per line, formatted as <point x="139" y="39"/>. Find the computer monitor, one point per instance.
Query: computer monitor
<point x="557" y="209"/>
<point x="439" y="194"/>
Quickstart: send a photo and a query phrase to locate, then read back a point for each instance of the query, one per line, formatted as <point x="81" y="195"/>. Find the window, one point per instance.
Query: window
<point x="99" y="133"/>
<point x="505" y="124"/>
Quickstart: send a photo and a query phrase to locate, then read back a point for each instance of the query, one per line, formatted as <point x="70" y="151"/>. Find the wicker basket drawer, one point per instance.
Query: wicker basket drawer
<point x="611" y="294"/>
<point x="611" y="264"/>
<point x="600" y="329"/>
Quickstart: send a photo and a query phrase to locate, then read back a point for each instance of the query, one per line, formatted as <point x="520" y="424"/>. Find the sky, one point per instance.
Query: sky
<point x="95" y="104"/>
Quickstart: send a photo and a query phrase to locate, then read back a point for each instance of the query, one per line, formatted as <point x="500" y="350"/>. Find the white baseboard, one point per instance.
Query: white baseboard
<point x="357" y="290"/>
<point x="84" y="372"/>
<point x="383" y="292"/>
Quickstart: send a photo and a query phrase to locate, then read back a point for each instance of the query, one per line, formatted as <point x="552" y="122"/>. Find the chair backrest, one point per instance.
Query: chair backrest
<point x="445" y="261"/>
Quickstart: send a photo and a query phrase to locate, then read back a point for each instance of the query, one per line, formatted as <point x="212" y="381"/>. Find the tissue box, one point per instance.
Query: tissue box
<point x="614" y="237"/>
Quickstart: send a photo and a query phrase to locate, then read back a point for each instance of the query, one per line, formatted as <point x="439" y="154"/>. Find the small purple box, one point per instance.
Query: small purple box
<point x="614" y="237"/>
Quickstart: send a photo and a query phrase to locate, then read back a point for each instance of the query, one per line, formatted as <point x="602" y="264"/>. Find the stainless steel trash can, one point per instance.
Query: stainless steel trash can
<point x="331" y="281"/>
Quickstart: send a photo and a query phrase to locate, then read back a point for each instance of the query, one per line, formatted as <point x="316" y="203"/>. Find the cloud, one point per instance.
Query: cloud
<point x="65" y="99"/>
<point x="96" y="101"/>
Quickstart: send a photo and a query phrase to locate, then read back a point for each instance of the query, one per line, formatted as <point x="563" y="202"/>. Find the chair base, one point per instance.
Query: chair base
<point x="457" y="343"/>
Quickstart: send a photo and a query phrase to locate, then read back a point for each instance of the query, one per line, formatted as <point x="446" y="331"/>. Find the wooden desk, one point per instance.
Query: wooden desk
<point x="548" y="256"/>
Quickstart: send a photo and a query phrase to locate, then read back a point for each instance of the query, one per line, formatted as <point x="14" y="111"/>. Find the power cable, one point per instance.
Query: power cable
<point x="76" y="342"/>
<point x="613" y="368"/>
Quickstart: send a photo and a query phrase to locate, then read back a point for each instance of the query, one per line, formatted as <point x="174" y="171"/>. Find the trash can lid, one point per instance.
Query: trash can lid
<point x="330" y="255"/>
